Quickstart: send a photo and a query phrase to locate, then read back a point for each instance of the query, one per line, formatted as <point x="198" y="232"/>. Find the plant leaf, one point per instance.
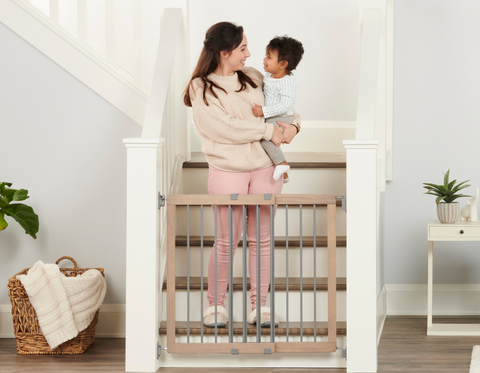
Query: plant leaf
<point x="25" y="216"/>
<point x="450" y="186"/>
<point x="2" y="186"/>
<point x="3" y="222"/>
<point x="445" y="180"/>
<point x="20" y="195"/>
<point x="438" y="199"/>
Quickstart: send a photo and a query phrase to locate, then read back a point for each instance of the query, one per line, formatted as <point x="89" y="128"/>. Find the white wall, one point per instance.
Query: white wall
<point x="436" y="128"/>
<point x="63" y="143"/>
<point x="327" y="77"/>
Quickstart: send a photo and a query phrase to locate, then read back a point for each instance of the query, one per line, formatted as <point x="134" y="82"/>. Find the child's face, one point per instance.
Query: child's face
<point x="271" y="64"/>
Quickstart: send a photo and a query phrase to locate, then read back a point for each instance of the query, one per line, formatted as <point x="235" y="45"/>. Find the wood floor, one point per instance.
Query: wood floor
<point x="404" y="347"/>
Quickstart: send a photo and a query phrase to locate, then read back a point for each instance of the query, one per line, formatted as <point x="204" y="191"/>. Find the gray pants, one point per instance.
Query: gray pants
<point x="274" y="152"/>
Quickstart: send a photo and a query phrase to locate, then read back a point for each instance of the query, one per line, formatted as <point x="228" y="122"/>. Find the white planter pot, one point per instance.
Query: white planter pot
<point x="448" y="213"/>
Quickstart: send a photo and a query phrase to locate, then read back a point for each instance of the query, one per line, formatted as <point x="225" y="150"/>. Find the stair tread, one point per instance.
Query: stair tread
<point x="280" y="241"/>
<point x="293" y="328"/>
<point x="295" y="160"/>
<point x="280" y="283"/>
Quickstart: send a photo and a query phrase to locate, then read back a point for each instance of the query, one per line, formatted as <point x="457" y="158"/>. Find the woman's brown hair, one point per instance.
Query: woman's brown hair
<point x="223" y="36"/>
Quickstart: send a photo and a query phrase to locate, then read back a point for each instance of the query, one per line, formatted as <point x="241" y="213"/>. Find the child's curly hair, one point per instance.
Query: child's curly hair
<point x="289" y="49"/>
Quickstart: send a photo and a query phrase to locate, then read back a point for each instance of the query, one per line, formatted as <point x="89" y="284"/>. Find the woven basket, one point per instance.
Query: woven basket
<point x="30" y="340"/>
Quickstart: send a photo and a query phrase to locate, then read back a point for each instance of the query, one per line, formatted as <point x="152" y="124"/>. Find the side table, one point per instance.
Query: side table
<point x="460" y="231"/>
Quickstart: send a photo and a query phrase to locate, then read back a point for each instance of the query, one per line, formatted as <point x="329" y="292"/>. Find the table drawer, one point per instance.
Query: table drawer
<point x="455" y="232"/>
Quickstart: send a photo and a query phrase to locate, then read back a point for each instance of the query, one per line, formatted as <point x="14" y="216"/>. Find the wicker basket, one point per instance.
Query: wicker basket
<point x="30" y="340"/>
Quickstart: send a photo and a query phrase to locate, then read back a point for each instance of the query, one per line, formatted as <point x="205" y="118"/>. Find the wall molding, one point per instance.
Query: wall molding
<point x="111" y="321"/>
<point x="381" y="312"/>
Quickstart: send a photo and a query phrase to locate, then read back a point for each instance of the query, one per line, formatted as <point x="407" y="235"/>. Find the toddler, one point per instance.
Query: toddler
<point x="282" y="57"/>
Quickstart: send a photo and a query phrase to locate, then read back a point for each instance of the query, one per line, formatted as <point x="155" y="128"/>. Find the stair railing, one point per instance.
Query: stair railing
<point x="152" y="171"/>
<point x="240" y="345"/>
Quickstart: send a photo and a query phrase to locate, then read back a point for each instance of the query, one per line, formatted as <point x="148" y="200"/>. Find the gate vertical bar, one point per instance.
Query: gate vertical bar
<point x="171" y="217"/>
<point x="286" y="254"/>
<point x="201" y="274"/>
<point x="332" y="275"/>
<point x="259" y="297"/>
<point x="216" y="245"/>
<point x="244" y="273"/>
<point x="301" y="277"/>
<point x="188" y="273"/>
<point x="314" y="274"/>
<point x="272" y="276"/>
<point x="230" y="276"/>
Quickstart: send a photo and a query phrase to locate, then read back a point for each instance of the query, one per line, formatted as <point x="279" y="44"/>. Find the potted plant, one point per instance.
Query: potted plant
<point x="22" y="213"/>
<point x="448" y="211"/>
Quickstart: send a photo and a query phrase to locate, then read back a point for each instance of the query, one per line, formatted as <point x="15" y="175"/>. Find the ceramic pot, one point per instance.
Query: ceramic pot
<point x="448" y="213"/>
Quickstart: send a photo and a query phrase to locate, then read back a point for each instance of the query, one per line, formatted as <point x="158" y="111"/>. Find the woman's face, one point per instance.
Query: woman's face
<point x="235" y="61"/>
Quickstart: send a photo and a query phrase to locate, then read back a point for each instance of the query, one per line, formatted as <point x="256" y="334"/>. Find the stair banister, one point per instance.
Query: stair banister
<point x="365" y="155"/>
<point x="151" y="161"/>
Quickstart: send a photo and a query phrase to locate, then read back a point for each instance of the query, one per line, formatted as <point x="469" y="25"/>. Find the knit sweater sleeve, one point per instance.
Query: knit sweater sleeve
<point x="214" y="122"/>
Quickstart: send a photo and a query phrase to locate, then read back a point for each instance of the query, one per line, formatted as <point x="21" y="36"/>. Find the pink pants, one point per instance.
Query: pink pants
<point x="253" y="182"/>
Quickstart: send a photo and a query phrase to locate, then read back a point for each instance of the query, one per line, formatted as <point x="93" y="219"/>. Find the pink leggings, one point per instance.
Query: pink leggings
<point x="253" y="182"/>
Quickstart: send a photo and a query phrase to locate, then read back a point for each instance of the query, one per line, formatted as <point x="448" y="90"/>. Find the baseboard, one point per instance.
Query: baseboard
<point x="381" y="312"/>
<point x="411" y="299"/>
<point x="111" y="321"/>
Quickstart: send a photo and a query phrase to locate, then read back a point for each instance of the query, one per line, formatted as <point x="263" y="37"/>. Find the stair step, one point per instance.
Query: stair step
<point x="280" y="241"/>
<point x="293" y="328"/>
<point x="295" y="160"/>
<point x="280" y="283"/>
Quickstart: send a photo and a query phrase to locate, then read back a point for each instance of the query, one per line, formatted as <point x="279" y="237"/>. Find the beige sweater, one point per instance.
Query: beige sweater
<point x="229" y="131"/>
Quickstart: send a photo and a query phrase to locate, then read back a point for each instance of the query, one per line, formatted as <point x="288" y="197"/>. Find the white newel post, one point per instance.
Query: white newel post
<point x="142" y="287"/>
<point x="362" y="189"/>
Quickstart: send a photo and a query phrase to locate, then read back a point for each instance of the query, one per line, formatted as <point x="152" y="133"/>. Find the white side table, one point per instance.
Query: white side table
<point x="460" y="231"/>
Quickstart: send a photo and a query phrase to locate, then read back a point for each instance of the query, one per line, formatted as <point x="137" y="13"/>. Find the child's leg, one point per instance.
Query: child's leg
<point x="276" y="153"/>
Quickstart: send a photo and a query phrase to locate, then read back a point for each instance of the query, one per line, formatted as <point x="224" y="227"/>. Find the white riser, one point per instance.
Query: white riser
<point x="280" y="221"/>
<point x="302" y="181"/>
<point x="280" y="305"/>
<point x="280" y="262"/>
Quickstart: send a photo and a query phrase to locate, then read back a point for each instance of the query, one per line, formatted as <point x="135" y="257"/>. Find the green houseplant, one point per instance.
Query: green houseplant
<point x="448" y="211"/>
<point x="22" y="213"/>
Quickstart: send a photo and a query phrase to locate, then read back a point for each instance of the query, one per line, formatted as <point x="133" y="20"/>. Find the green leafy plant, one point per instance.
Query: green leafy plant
<point x="22" y="213"/>
<point x="448" y="192"/>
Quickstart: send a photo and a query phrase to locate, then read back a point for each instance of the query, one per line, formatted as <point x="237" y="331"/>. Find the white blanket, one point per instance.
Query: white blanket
<point x="64" y="305"/>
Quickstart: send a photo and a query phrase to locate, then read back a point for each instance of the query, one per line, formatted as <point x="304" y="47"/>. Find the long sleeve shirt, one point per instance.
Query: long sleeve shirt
<point x="279" y="95"/>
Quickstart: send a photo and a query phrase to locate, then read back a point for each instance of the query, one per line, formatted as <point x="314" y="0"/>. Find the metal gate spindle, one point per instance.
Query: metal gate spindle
<point x="216" y="327"/>
<point x="314" y="275"/>
<point x="188" y="273"/>
<point x="259" y="297"/>
<point x="244" y="273"/>
<point x="201" y="273"/>
<point x="301" y="278"/>
<point x="272" y="277"/>
<point x="286" y="250"/>
<point x="230" y="277"/>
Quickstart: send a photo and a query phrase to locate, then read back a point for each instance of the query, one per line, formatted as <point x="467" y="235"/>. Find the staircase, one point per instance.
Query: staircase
<point x="154" y="164"/>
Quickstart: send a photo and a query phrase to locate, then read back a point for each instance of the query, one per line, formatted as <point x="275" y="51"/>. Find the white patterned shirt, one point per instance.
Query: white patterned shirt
<point x="279" y="95"/>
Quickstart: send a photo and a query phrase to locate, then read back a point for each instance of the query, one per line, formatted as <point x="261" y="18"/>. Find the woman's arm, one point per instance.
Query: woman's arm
<point x="213" y="122"/>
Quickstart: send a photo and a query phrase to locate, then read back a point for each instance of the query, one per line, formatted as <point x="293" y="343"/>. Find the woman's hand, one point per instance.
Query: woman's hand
<point x="289" y="132"/>
<point x="277" y="136"/>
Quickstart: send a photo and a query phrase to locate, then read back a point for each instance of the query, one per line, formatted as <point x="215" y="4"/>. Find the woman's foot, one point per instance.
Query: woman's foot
<point x="265" y="317"/>
<point x="286" y="179"/>
<point x="280" y="169"/>
<point x="209" y="317"/>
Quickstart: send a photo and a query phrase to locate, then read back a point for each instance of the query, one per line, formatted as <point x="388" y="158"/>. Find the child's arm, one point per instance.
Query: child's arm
<point x="287" y="98"/>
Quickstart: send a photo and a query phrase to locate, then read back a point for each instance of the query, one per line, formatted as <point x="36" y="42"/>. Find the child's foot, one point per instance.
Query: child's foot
<point x="286" y="179"/>
<point x="280" y="170"/>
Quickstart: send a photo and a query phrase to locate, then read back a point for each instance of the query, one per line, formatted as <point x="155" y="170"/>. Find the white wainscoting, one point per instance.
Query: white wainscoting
<point x="111" y="321"/>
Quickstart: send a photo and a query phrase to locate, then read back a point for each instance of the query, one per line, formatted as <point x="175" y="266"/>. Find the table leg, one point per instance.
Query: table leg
<point x="430" y="284"/>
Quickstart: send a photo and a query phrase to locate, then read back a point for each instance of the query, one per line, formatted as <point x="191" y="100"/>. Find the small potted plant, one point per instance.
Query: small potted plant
<point x="448" y="211"/>
<point x="22" y="213"/>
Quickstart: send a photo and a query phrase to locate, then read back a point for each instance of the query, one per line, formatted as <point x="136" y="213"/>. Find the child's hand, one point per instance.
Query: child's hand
<point x="257" y="110"/>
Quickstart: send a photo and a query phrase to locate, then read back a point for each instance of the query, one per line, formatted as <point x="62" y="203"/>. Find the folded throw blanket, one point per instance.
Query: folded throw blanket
<point x="64" y="305"/>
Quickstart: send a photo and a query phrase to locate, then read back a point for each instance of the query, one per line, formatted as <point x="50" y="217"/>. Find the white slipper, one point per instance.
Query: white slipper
<point x="265" y="317"/>
<point x="280" y="170"/>
<point x="286" y="180"/>
<point x="209" y="317"/>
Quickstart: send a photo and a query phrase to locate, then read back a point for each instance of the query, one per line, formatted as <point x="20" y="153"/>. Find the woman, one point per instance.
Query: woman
<point x="222" y="92"/>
